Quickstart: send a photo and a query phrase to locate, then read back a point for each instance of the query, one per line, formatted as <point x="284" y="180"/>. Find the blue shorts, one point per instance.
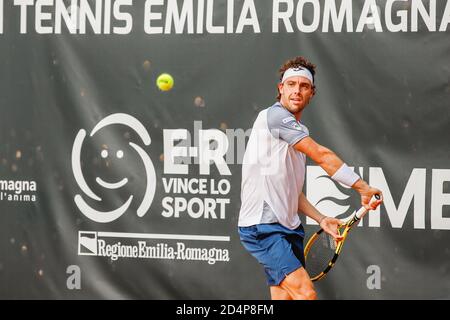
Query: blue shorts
<point x="277" y="248"/>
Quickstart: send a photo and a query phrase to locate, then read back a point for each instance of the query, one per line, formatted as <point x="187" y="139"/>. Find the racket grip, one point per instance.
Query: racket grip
<point x="362" y="211"/>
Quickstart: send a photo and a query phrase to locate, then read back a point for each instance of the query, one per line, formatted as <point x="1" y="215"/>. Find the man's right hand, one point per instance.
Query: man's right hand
<point x="367" y="192"/>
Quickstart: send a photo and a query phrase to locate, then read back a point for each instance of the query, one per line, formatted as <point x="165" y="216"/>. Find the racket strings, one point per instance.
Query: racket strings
<point x="320" y="254"/>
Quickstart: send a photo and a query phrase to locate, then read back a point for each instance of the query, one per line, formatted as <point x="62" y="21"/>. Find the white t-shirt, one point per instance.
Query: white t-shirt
<point x="273" y="172"/>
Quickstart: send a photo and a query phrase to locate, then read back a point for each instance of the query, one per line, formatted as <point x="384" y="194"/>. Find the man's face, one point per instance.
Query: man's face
<point x="296" y="92"/>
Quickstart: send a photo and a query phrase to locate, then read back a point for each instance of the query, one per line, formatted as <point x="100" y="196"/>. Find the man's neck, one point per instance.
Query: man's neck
<point x="297" y="115"/>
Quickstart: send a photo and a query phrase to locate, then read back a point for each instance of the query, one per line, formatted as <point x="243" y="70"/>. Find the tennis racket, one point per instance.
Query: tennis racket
<point x="322" y="251"/>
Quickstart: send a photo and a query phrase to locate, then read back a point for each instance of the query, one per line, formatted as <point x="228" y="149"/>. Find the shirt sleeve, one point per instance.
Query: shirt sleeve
<point x="283" y="125"/>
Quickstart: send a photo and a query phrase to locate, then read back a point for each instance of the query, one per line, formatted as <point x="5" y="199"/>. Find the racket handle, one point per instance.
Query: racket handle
<point x="362" y="211"/>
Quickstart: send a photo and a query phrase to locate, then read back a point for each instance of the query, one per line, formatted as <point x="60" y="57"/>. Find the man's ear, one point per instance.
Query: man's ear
<point x="280" y="85"/>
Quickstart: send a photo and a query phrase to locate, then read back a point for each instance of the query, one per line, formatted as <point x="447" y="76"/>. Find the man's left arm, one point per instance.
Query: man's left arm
<point x="328" y="224"/>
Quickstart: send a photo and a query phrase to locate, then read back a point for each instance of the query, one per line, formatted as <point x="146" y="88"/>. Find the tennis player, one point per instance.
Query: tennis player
<point x="273" y="173"/>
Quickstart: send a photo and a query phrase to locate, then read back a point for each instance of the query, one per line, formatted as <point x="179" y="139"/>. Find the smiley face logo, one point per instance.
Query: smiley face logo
<point x="108" y="216"/>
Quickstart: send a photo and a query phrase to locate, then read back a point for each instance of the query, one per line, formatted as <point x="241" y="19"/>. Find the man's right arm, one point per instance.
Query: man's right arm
<point x="331" y="163"/>
<point x="321" y="155"/>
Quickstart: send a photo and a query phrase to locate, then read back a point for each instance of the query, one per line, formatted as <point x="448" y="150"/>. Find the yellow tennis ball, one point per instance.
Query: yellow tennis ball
<point x="164" y="82"/>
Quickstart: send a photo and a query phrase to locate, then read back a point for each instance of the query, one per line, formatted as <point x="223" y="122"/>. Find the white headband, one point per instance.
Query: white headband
<point x="298" y="72"/>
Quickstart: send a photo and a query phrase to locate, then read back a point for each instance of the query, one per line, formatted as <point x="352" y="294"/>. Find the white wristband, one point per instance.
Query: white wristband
<point x="345" y="175"/>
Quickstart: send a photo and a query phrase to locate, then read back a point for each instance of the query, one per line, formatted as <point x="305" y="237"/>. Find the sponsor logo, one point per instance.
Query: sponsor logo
<point x="192" y="197"/>
<point x="333" y="199"/>
<point x="109" y="216"/>
<point x="87" y="243"/>
<point x="18" y="191"/>
<point x="146" y="246"/>
<point x="288" y="119"/>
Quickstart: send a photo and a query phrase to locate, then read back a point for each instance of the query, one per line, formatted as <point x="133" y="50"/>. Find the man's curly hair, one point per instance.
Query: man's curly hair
<point x="295" y="63"/>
